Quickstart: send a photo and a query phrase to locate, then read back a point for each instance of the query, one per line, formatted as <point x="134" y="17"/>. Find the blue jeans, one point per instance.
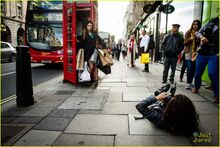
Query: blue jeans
<point x="191" y="67"/>
<point x="213" y="65"/>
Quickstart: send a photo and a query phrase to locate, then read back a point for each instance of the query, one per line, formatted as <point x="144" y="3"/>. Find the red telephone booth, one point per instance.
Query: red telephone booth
<point x="75" y="15"/>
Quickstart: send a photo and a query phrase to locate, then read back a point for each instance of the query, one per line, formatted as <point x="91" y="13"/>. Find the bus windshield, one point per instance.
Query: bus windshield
<point x="45" y="5"/>
<point x="44" y="25"/>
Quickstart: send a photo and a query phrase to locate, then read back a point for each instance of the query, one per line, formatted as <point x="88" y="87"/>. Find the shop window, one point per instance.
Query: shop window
<point x="19" y="9"/>
<point x="3" y="7"/>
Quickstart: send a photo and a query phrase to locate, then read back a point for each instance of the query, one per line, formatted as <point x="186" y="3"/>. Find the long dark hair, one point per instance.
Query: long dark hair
<point x="199" y="25"/>
<point x="180" y="116"/>
<point x="85" y="30"/>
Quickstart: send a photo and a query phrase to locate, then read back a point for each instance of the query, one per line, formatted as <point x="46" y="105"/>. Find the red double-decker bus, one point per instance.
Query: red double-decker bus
<point x="44" y="31"/>
<point x="44" y="27"/>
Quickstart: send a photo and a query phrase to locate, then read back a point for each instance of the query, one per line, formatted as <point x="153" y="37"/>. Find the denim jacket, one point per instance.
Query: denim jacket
<point x="152" y="109"/>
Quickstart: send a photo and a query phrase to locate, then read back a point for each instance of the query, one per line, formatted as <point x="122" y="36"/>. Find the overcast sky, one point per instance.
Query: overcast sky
<point x="111" y="17"/>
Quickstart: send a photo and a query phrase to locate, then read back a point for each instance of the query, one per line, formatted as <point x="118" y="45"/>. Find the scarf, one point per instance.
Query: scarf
<point x="193" y="42"/>
<point x="131" y="44"/>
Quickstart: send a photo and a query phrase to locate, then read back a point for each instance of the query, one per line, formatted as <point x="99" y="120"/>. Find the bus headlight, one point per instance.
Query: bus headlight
<point x="60" y="52"/>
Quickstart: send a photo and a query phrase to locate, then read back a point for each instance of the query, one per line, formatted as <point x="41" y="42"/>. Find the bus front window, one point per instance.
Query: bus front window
<point x="45" y="5"/>
<point x="45" y="38"/>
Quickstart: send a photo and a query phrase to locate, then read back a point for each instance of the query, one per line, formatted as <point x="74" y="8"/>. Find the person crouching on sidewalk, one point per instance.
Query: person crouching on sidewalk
<point x="176" y="114"/>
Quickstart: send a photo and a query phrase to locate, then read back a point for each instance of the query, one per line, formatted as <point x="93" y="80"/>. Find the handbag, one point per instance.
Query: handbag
<point x="145" y="58"/>
<point x="105" y="57"/>
<point x="84" y="76"/>
<point x="94" y="56"/>
<point x="105" y="69"/>
<point x="80" y="60"/>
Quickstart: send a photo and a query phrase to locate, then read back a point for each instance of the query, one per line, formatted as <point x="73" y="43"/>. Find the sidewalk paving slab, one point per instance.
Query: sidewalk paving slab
<point x="53" y="123"/>
<point x="135" y="97"/>
<point x="63" y="113"/>
<point x="98" y="124"/>
<point x="10" y="133"/>
<point x="135" y="90"/>
<point x="38" y="111"/>
<point x="38" y="138"/>
<point x="83" y="103"/>
<point x="140" y="84"/>
<point x="120" y="108"/>
<point x="84" y="140"/>
<point x="7" y="119"/>
<point x="114" y="97"/>
<point x="27" y="120"/>
<point x="140" y="140"/>
<point x="206" y="108"/>
<point x="212" y="121"/>
<point x="112" y="84"/>
<point x="144" y="127"/>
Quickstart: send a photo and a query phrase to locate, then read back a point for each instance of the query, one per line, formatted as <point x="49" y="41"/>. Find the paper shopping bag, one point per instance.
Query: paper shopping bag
<point x="105" y="57"/>
<point x="80" y="60"/>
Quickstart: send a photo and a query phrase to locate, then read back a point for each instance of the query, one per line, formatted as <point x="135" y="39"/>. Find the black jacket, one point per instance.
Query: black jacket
<point x="89" y="45"/>
<point x="152" y="109"/>
<point x="212" y="47"/>
<point x="172" y="45"/>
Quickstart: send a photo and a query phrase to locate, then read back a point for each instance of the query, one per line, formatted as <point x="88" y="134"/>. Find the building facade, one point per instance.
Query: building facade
<point x="13" y="21"/>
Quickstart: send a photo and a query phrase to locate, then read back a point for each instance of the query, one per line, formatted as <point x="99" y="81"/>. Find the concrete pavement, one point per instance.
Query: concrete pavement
<point x="64" y="114"/>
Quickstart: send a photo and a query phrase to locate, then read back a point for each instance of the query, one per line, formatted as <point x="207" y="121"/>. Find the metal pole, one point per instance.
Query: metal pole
<point x="157" y="40"/>
<point x="24" y="87"/>
<point x="166" y="18"/>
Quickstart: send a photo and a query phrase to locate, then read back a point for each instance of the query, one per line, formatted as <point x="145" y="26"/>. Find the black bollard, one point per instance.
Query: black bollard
<point x="24" y="88"/>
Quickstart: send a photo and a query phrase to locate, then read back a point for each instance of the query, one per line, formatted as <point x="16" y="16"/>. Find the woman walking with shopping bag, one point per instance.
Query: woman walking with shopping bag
<point x="90" y="44"/>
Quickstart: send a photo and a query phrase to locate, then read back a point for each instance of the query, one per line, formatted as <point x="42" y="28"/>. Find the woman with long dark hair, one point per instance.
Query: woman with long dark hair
<point x="90" y="42"/>
<point x="176" y="114"/>
<point x="191" y="45"/>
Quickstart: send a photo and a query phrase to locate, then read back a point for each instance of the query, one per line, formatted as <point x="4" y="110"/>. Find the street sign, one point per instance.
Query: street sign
<point x="149" y="8"/>
<point x="167" y="9"/>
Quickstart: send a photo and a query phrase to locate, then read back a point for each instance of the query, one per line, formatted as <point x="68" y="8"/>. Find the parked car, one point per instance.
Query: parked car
<point x="8" y="52"/>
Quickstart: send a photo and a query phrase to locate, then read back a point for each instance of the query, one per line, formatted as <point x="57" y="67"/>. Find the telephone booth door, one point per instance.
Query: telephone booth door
<point x="69" y="41"/>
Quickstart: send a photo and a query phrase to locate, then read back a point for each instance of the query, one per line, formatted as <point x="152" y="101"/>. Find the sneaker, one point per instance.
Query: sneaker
<point x="209" y="87"/>
<point x="194" y="90"/>
<point x="162" y="89"/>
<point x="188" y="86"/>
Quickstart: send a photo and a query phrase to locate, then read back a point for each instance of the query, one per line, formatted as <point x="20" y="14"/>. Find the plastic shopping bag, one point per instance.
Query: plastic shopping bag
<point x="85" y="75"/>
<point x="145" y="58"/>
